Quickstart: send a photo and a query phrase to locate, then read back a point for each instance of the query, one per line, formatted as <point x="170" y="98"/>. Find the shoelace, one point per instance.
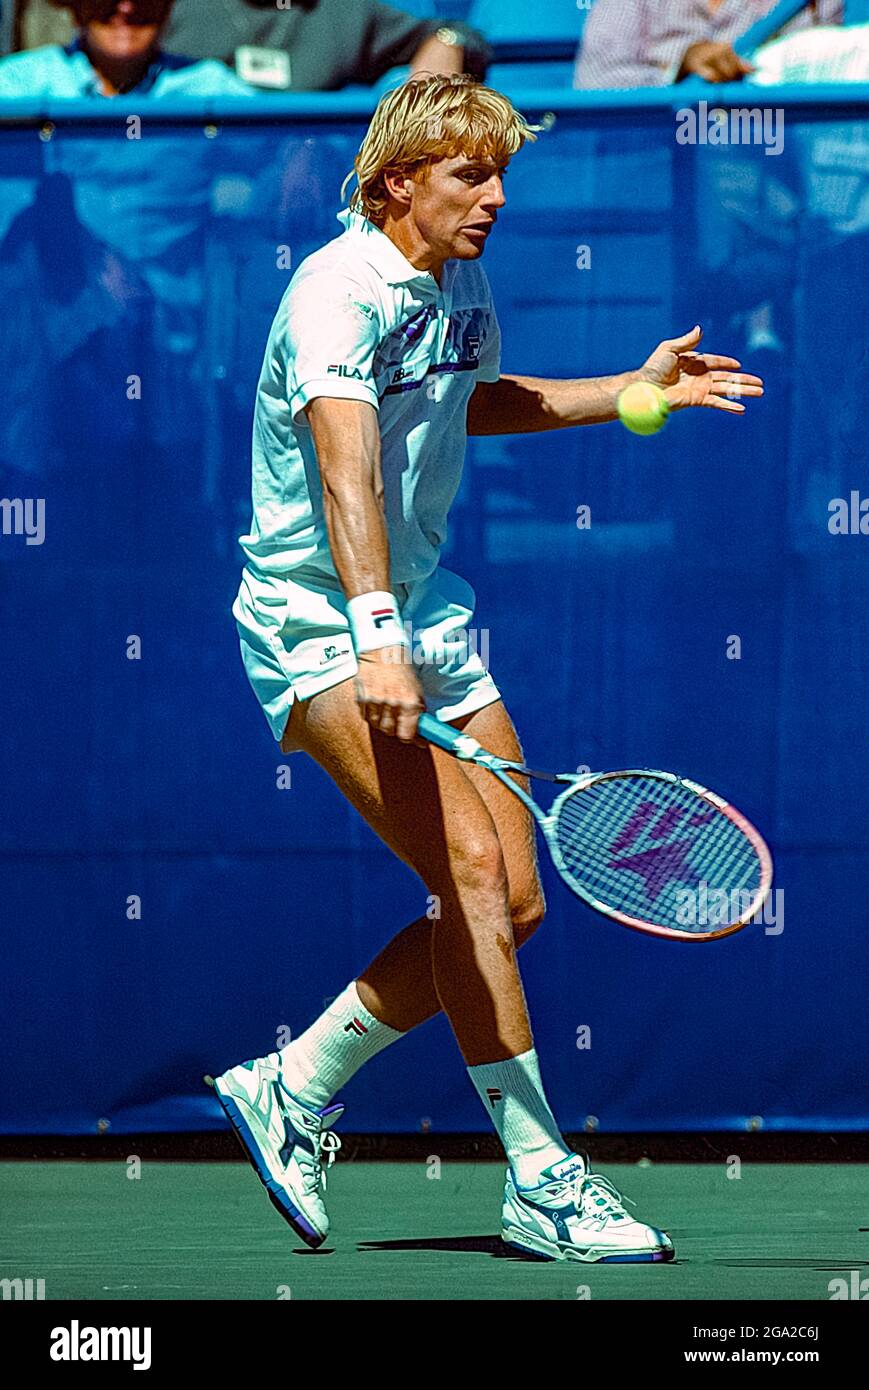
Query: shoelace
<point x="597" y="1196"/>
<point x="329" y="1143"/>
<point x="315" y="1173"/>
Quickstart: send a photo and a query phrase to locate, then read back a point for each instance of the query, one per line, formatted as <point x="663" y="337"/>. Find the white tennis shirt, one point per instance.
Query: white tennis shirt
<point x="359" y="322"/>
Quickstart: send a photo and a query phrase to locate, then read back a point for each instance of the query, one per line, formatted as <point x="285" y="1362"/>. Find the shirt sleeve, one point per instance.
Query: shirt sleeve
<point x="392" y="37"/>
<point x="490" y="356"/>
<point x="333" y="333"/>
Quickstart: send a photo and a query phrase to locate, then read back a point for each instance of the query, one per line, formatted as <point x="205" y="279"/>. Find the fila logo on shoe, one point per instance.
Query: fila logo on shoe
<point x="355" y="1026"/>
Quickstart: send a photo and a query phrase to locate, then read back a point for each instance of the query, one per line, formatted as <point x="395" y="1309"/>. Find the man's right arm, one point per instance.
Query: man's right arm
<point x="347" y="440"/>
<point x="346" y="437"/>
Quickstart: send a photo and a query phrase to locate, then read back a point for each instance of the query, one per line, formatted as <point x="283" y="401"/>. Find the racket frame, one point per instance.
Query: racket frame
<point x="467" y="749"/>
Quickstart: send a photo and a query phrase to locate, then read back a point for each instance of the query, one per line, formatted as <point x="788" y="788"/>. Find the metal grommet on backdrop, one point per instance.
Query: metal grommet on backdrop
<point x="46" y="131"/>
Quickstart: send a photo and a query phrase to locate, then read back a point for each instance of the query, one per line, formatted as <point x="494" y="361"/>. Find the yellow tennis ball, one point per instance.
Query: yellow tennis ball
<point x="643" y="408"/>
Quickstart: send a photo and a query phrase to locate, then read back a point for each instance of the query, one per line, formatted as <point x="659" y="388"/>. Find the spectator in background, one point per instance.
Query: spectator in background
<point x="321" y="45"/>
<point x="652" y="43"/>
<point x="115" y="52"/>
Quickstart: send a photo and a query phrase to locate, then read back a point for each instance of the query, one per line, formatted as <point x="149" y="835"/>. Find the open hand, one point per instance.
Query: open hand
<point x="690" y="378"/>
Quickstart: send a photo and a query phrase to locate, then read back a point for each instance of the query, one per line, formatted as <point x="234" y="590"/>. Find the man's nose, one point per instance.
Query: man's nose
<point x="494" y="195"/>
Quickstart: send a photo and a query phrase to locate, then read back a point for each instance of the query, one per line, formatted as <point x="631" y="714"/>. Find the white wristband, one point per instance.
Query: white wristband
<point x="375" y="622"/>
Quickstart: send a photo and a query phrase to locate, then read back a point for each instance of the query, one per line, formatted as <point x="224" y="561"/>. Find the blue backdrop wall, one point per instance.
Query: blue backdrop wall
<point x="163" y="259"/>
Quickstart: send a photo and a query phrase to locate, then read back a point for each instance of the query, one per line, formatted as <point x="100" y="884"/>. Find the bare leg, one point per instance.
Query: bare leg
<point x="398" y="984"/>
<point x="439" y="817"/>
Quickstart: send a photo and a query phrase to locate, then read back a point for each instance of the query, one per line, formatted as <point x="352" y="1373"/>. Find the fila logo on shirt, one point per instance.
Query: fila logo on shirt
<point x="494" y="1095"/>
<point x="341" y="369"/>
<point x="355" y="1026"/>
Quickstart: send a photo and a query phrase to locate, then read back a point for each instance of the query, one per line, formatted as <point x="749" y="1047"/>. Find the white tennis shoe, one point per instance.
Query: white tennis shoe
<point x="285" y="1141"/>
<point x="574" y="1214"/>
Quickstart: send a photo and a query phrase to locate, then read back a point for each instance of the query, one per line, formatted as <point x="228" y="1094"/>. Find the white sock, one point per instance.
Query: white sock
<point x="323" y="1058"/>
<point x="512" y="1093"/>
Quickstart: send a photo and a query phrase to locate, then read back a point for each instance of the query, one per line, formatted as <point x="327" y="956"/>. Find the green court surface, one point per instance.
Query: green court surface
<point x="207" y="1231"/>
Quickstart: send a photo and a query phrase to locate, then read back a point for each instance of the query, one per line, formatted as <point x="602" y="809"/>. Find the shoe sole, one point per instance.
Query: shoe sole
<point x="543" y="1249"/>
<point x="252" y="1151"/>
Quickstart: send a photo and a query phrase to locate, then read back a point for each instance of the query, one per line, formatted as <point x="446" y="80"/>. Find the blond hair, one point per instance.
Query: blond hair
<point x="427" y="119"/>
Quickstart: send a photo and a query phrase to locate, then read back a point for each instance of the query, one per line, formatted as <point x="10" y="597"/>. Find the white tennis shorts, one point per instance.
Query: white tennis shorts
<point x="295" y="641"/>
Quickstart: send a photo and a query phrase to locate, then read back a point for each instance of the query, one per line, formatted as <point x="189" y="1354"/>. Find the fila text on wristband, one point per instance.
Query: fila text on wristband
<point x="375" y="622"/>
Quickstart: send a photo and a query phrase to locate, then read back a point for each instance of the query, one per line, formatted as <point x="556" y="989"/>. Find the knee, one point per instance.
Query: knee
<point x="473" y="879"/>
<point x="479" y="860"/>
<point x="527" y="915"/>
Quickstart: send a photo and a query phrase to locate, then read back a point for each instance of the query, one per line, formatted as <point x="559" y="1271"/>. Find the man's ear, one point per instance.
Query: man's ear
<point x="399" y="185"/>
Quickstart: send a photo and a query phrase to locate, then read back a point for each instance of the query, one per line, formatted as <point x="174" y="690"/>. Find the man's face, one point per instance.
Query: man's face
<point x="123" y="29"/>
<point x="455" y="203"/>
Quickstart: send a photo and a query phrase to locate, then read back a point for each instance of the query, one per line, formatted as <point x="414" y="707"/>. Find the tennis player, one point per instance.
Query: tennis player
<point x="383" y="357"/>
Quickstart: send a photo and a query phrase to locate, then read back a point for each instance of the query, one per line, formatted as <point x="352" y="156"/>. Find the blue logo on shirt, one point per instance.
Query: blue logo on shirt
<point x="415" y="327"/>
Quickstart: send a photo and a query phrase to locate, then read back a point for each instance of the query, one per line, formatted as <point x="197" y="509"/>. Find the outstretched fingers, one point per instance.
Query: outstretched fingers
<point x="697" y="362"/>
<point x="736" y="384"/>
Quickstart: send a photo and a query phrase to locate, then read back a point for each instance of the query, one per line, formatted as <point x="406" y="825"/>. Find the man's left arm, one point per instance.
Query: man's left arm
<point x="525" y="404"/>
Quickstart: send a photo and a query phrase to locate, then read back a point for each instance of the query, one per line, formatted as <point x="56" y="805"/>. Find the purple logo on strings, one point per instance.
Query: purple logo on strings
<point x="662" y="863"/>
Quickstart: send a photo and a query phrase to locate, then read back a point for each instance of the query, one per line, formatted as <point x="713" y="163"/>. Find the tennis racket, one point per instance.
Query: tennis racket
<point x="651" y="850"/>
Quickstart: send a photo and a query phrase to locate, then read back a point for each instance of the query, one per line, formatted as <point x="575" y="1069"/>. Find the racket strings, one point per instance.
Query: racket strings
<point x="655" y="850"/>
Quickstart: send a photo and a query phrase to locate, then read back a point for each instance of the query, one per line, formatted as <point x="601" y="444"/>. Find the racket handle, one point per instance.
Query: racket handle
<point x="446" y="737"/>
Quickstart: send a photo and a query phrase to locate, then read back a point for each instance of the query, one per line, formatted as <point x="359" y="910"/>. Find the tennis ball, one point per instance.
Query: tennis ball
<point x="643" y="408"/>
